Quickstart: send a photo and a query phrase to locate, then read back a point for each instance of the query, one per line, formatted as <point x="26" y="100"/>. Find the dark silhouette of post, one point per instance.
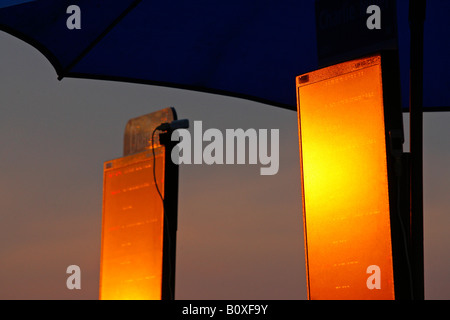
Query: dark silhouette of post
<point x="170" y="219"/>
<point x="416" y="21"/>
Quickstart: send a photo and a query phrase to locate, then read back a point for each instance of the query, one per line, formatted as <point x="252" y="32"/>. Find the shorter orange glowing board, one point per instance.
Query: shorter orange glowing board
<point x="132" y="228"/>
<point x="346" y="210"/>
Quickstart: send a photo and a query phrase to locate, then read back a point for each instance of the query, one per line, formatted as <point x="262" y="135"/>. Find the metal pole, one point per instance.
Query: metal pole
<point x="170" y="202"/>
<point x="416" y="22"/>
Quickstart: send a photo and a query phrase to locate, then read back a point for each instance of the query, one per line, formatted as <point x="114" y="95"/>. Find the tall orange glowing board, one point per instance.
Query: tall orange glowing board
<point x="346" y="208"/>
<point x="132" y="263"/>
<point x="132" y="235"/>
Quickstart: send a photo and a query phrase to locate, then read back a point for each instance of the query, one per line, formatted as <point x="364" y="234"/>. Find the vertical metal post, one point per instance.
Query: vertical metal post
<point x="171" y="173"/>
<point x="416" y="21"/>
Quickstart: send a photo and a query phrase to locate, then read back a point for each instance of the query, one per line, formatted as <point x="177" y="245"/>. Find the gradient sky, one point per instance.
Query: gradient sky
<point x="240" y="234"/>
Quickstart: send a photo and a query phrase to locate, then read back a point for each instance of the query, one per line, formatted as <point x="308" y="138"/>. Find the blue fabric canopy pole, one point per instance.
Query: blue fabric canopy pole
<point x="417" y="11"/>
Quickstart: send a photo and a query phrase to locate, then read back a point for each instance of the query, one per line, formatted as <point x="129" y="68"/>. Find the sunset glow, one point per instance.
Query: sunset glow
<point x="344" y="181"/>
<point x="132" y="229"/>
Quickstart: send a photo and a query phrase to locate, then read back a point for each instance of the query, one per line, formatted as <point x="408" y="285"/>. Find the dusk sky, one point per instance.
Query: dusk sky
<point x="240" y="234"/>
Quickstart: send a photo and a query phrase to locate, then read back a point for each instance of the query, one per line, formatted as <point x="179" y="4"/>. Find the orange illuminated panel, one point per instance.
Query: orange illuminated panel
<point x="132" y="228"/>
<point x="344" y="182"/>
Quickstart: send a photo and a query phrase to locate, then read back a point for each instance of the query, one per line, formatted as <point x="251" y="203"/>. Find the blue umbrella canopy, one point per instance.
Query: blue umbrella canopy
<point x="248" y="49"/>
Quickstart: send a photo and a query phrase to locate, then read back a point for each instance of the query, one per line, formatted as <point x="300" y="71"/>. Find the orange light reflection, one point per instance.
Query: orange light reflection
<point x="132" y="228"/>
<point x="344" y="180"/>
